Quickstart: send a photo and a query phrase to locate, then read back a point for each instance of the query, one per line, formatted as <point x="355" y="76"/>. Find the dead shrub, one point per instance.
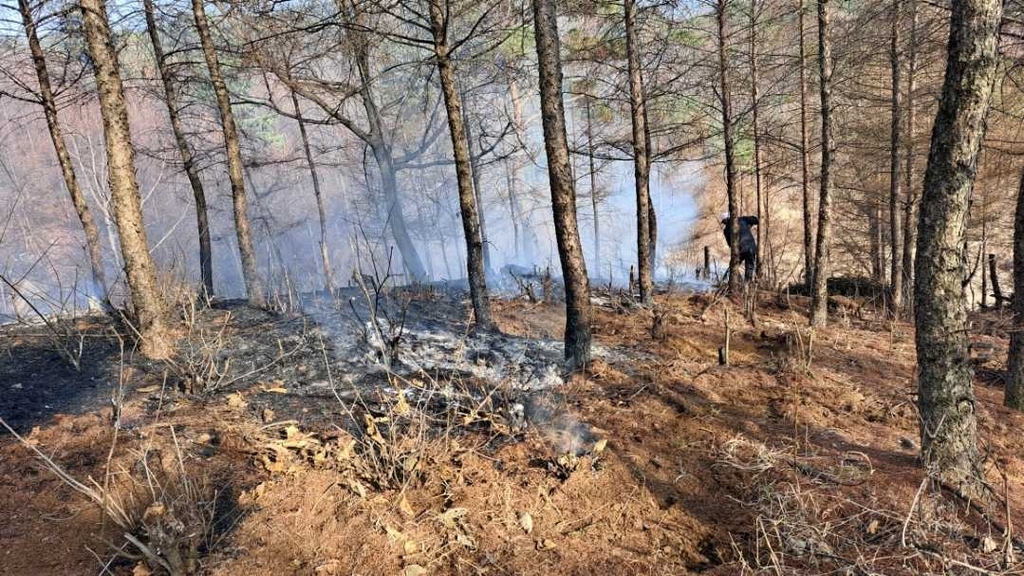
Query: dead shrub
<point x="165" y="512"/>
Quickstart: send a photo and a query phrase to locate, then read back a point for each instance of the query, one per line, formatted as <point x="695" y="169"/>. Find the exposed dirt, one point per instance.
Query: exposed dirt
<point x="316" y="463"/>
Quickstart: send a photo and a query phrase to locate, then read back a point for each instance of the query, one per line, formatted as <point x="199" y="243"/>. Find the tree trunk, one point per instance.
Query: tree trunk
<point x="384" y="157"/>
<point x="652" y="218"/>
<point x="593" y="186"/>
<point x="233" y="151"/>
<point x="819" y="293"/>
<point x="49" y="103"/>
<point x="641" y="160"/>
<point x="875" y="241"/>
<point x="945" y="377"/>
<point x="1014" y="397"/>
<point x="513" y="211"/>
<point x="325" y="257"/>
<point x="563" y="192"/>
<point x="997" y="292"/>
<point x="805" y="160"/>
<point x="478" y="191"/>
<point x="909" y="183"/>
<point x="896" y="271"/>
<point x="730" y="162"/>
<point x="471" y="222"/>
<point x="187" y="160"/>
<point x="147" y="303"/>
<point x="755" y="127"/>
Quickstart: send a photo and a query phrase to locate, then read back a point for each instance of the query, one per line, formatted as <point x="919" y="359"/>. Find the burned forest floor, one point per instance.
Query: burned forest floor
<point x="366" y="436"/>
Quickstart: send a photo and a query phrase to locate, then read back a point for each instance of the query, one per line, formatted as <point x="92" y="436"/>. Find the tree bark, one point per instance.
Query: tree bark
<point x="383" y="154"/>
<point x="730" y="162"/>
<point x="478" y="191"/>
<point x="909" y="184"/>
<point x="819" y="293"/>
<point x="945" y="377"/>
<point x="896" y="270"/>
<point x="875" y="231"/>
<point x="805" y="160"/>
<point x="49" y="103"/>
<point x="325" y="256"/>
<point x="563" y="192"/>
<point x="147" y="303"/>
<point x="233" y="151"/>
<point x="641" y="158"/>
<point x="1014" y="397"/>
<point x="593" y="186"/>
<point x="471" y="222"/>
<point x="513" y="211"/>
<point x="997" y="292"/>
<point x="755" y="127"/>
<point x="187" y="159"/>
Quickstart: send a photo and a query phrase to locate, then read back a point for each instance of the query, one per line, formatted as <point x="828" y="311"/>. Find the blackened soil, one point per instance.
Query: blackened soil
<point x="37" y="381"/>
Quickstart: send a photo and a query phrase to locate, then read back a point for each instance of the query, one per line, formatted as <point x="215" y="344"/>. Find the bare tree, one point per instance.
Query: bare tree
<point x="325" y="257"/>
<point x="471" y="223"/>
<point x="755" y="108"/>
<point x="805" y="157"/>
<point x="819" y="290"/>
<point x="945" y="377"/>
<point x="187" y="157"/>
<point x="233" y="150"/>
<point x="895" y="148"/>
<point x="147" y="303"/>
<point x="730" y="162"/>
<point x="909" y="183"/>
<point x="49" y="104"/>
<point x="563" y="192"/>
<point x="1014" y="397"/>
<point x="641" y="158"/>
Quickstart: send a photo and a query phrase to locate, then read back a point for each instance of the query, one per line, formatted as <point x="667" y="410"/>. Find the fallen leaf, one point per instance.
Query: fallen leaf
<point x="277" y="390"/>
<point x="449" y="517"/>
<point x="988" y="544"/>
<point x="873" y="527"/>
<point x="414" y="570"/>
<point x="405" y="508"/>
<point x="357" y="487"/>
<point x="410" y="547"/>
<point x="268" y="415"/>
<point x="141" y="570"/>
<point x="526" y="521"/>
<point x="402" y="406"/>
<point x="545" y="544"/>
<point x="147" y="389"/>
<point x="395" y="534"/>
<point x="600" y="445"/>
<point x="235" y="400"/>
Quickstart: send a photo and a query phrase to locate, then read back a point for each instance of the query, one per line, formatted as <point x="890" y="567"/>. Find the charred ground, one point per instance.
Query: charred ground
<point x="473" y="456"/>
